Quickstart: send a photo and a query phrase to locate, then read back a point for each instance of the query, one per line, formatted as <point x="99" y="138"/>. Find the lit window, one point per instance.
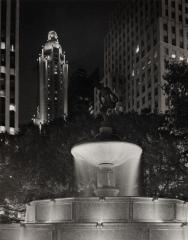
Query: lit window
<point x="133" y="73"/>
<point x="2" y="129"/>
<point x="2" y="93"/>
<point x="12" y="107"/>
<point x="149" y="62"/>
<point x="3" y="69"/>
<point x="2" y="211"/>
<point x="55" y="98"/>
<point x="12" y="131"/>
<point x="173" y="55"/>
<point x="2" y="45"/>
<point x="137" y="49"/>
<point x="181" y="58"/>
<point x="12" y="48"/>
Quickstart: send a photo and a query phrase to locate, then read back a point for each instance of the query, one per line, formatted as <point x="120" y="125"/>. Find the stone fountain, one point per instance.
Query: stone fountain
<point x="112" y="210"/>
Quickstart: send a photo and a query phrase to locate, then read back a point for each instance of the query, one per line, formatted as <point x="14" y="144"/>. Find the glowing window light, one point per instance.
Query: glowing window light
<point x="133" y="73"/>
<point x="12" y="107"/>
<point x="12" y="48"/>
<point x="2" y="93"/>
<point x="173" y="55"/>
<point x="2" y="129"/>
<point x="12" y="131"/>
<point x="2" y="45"/>
<point x="137" y="49"/>
<point x="149" y="62"/>
<point x="2" y="211"/>
<point x="3" y="69"/>
<point x="181" y="58"/>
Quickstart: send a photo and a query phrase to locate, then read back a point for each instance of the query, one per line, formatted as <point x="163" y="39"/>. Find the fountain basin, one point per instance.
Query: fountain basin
<point x="92" y="231"/>
<point x="107" y="209"/>
<point x="120" y="218"/>
<point x="117" y="165"/>
<point x="112" y="152"/>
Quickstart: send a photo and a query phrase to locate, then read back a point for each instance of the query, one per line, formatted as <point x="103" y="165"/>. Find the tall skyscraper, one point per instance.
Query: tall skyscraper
<point x="53" y="81"/>
<point x="143" y="35"/>
<point x="9" y="67"/>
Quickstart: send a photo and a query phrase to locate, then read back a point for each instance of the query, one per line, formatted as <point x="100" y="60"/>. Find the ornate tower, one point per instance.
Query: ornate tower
<point x="53" y="81"/>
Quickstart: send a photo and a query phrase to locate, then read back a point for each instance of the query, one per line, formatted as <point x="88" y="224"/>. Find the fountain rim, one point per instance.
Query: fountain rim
<point x="125" y="198"/>
<point x="91" y="145"/>
<point x="104" y="141"/>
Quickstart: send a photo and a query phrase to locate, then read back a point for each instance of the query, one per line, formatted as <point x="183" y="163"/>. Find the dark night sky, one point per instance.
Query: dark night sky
<point x="81" y="27"/>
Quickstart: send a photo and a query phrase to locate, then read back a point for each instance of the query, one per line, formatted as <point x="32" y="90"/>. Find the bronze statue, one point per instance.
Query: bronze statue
<point x="107" y="100"/>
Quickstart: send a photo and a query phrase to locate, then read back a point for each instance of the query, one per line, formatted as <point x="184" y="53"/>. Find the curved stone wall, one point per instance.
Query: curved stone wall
<point x="109" y="209"/>
<point x="119" y="218"/>
<point x="90" y="231"/>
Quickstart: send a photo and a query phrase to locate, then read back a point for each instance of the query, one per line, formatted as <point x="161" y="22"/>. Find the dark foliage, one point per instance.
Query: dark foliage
<point x="176" y="89"/>
<point x="36" y="165"/>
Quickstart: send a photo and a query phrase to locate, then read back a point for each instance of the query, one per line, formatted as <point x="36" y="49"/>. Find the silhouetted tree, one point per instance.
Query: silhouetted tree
<point x="176" y="89"/>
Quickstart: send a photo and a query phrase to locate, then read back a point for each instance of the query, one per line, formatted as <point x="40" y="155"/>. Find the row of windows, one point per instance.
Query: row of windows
<point x="142" y="84"/>
<point x="117" y="65"/>
<point x="174" y="41"/>
<point x="142" y="105"/>
<point x="132" y="57"/>
<point x="173" y="3"/>
<point x="173" y="30"/>
<point x="173" y="15"/>
<point x="137" y="12"/>
<point x="11" y="114"/>
<point x="136" y="32"/>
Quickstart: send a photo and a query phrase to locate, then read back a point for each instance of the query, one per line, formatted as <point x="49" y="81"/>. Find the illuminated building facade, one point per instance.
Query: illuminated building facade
<point x="53" y="82"/>
<point x="142" y="35"/>
<point x="9" y="67"/>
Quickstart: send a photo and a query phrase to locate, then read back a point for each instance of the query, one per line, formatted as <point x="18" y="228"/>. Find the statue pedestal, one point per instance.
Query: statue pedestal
<point x="106" y="184"/>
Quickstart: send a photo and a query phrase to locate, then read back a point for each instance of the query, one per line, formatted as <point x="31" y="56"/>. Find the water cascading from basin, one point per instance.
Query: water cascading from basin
<point x="111" y="168"/>
<point x="106" y="182"/>
<point x="108" y="168"/>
